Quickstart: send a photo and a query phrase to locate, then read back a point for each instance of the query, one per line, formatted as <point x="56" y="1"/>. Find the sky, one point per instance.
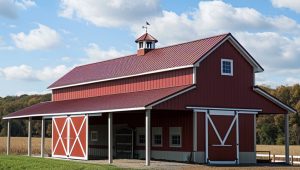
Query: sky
<point x="42" y="40"/>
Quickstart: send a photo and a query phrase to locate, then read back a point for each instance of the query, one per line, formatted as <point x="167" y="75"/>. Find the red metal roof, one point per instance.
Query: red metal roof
<point x="179" y="55"/>
<point x="102" y="103"/>
<point x="146" y="37"/>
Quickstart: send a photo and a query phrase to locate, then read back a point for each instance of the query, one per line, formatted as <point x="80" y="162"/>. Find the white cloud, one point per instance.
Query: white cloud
<point x="95" y="54"/>
<point x="9" y="8"/>
<point x="290" y="4"/>
<point x="25" y="72"/>
<point x="110" y="13"/>
<point x="42" y="37"/>
<point x="22" y="72"/>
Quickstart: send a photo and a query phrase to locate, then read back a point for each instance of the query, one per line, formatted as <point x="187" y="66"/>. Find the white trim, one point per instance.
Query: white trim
<point x="171" y="134"/>
<point x="204" y="109"/>
<point x="194" y="75"/>
<point x="172" y="96"/>
<point x="245" y="54"/>
<point x="222" y="112"/>
<point x="54" y="125"/>
<point x="80" y="113"/>
<point x="122" y="77"/>
<point x="274" y="100"/>
<point x="231" y="67"/>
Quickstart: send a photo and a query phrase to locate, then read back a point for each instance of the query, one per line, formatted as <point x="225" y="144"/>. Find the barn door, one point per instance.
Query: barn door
<point x="69" y="137"/>
<point x="78" y="137"/>
<point x="59" y="137"/>
<point x="222" y="139"/>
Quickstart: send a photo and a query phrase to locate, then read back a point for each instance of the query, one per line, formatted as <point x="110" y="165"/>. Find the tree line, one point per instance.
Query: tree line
<point x="270" y="128"/>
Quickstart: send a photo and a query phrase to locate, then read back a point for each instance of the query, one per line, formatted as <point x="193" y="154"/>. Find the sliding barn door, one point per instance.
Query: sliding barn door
<point x="70" y="137"/>
<point x="222" y="137"/>
<point x="60" y="137"/>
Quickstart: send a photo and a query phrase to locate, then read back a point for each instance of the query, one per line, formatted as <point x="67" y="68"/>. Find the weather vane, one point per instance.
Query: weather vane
<point x="146" y="27"/>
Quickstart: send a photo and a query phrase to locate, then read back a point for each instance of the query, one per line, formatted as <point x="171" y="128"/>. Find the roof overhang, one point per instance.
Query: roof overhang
<point x="274" y="100"/>
<point x="134" y="101"/>
<point x="256" y="66"/>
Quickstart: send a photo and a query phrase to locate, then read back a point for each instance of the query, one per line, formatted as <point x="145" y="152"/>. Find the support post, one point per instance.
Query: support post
<point x="42" y="137"/>
<point x="194" y="135"/>
<point x="110" y="138"/>
<point x="147" y="129"/>
<point x="29" y="136"/>
<point x="8" y="137"/>
<point x="286" y="129"/>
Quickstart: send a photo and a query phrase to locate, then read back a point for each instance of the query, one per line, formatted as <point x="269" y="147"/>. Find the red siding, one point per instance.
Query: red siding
<point x="201" y="131"/>
<point x="246" y="132"/>
<point x="141" y="83"/>
<point x="162" y="119"/>
<point x="214" y="90"/>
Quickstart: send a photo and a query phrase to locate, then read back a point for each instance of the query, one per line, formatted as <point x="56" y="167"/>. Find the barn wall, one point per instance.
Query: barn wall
<point x="141" y="83"/>
<point x="215" y="90"/>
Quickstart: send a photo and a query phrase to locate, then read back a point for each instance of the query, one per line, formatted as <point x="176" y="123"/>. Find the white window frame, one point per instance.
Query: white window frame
<point x="93" y="134"/>
<point x="175" y="131"/>
<point x="140" y="131"/>
<point x="157" y="131"/>
<point x="231" y="67"/>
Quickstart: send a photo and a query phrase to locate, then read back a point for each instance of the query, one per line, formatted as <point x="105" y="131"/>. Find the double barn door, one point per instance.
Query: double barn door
<point x="69" y="137"/>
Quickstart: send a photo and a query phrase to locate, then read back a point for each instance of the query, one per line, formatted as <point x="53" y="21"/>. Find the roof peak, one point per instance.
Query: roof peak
<point x="146" y="37"/>
<point x="131" y="55"/>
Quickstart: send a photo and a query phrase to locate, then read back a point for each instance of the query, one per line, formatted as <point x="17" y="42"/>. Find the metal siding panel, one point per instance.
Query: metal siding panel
<point x="246" y="135"/>
<point x="215" y="90"/>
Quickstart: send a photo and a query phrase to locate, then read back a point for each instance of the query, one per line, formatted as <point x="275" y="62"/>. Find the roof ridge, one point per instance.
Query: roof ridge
<point x="130" y="55"/>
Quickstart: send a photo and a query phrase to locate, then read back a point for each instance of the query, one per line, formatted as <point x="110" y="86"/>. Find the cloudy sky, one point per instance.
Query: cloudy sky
<point x="42" y="40"/>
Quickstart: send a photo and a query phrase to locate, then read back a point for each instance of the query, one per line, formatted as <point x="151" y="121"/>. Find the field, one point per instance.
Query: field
<point x="19" y="145"/>
<point x="279" y="149"/>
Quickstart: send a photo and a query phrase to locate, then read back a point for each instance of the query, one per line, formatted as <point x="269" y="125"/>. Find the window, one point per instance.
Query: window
<point x="157" y="136"/>
<point x="94" y="136"/>
<point x="175" y="137"/>
<point x="140" y="136"/>
<point x="227" y="67"/>
<point x="149" y="44"/>
<point x="140" y="44"/>
<point x="141" y="139"/>
<point x="176" y="140"/>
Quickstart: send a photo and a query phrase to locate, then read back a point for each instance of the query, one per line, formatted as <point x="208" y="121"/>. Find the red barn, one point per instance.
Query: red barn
<point x="191" y="102"/>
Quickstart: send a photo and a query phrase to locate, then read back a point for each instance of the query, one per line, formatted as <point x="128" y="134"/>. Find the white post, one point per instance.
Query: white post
<point x="110" y="138"/>
<point x="147" y="129"/>
<point x="194" y="135"/>
<point x="29" y="136"/>
<point x="287" y="151"/>
<point x="42" y="137"/>
<point x="8" y="137"/>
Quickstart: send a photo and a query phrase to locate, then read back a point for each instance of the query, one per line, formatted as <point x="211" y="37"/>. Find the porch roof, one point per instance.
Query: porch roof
<point x="110" y="103"/>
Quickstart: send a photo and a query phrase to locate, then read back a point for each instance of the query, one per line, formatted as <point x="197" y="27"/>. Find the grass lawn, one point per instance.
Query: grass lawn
<point x="24" y="162"/>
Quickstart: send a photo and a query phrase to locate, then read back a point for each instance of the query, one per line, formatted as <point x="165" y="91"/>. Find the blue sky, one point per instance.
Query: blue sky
<point x="42" y="40"/>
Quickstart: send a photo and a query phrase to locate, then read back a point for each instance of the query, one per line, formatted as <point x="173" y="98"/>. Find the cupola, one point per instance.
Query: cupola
<point x="145" y="43"/>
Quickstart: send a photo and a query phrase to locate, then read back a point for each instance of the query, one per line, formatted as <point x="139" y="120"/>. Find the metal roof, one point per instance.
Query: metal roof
<point x="110" y="103"/>
<point x="146" y="37"/>
<point x="160" y="59"/>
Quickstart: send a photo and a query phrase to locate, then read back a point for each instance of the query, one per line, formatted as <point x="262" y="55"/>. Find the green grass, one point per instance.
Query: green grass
<point x="32" y="163"/>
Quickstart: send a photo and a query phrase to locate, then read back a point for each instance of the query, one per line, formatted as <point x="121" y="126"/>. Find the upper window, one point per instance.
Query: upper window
<point x="227" y="67"/>
<point x="149" y="44"/>
<point x="140" y="44"/>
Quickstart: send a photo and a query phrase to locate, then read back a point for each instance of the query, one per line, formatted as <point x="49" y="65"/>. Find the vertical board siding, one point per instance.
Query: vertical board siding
<point x="141" y="83"/>
<point x="215" y="90"/>
<point x="246" y="132"/>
